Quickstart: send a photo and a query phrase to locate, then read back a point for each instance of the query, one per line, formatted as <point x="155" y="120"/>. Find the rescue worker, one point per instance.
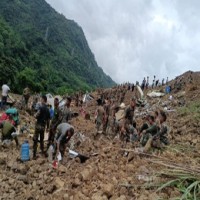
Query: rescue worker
<point x="100" y="114"/>
<point x="56" y="120"/>
<point x="64" y="133"/>
<point x="150" y="132"/>
<point x="67" y="111"/>
<point x="107" y="108"/>
<point x="128" y="121"/>
<point x="159" y="139"/>
<point x="26" y="96"/>
<point x="43" y="118"/>
<point x="8" y="132"/>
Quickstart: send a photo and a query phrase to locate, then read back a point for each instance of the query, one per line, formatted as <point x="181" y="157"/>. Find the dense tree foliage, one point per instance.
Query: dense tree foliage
<point x="42" y="49"/>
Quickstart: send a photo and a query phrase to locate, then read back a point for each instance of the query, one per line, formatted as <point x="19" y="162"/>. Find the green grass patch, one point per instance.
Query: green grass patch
<point x="187" y="183"/>
<point x="192" y="109"/>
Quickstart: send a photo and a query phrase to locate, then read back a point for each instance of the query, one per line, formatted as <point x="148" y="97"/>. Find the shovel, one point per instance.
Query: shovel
<point x="74" y="154"/>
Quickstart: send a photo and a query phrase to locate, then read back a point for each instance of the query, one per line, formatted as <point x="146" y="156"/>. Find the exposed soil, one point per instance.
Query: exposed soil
<point x="114" y="170"/>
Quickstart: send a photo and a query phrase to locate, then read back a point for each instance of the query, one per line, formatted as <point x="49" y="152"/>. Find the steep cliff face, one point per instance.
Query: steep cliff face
<point x="44" y="50"/>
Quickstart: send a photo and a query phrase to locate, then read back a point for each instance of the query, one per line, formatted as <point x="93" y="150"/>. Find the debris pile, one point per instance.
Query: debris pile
<point x="113" y="170"/>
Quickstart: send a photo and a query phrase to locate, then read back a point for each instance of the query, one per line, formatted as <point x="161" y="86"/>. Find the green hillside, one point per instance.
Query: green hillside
<point x="42" y="49"/>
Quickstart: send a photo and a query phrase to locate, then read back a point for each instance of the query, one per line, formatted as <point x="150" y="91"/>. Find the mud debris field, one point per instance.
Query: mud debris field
<point x="114" y="171"/>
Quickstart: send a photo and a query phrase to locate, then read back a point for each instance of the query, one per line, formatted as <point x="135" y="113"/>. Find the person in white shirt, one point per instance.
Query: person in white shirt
<point x="5" y="90"/>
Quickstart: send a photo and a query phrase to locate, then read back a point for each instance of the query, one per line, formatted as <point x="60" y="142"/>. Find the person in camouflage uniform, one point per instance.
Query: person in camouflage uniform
<point x="107" y="108"/>
<point x="129" y="122"/>
<point x="57" y="118"/>
<point x="26" y="96"/>
<point x="150" y="131"/>
<point x="66" y="113"/>
<point x="100" y="115"/>
<point x="160" y="139"/>
<point x="113" y="125"/>
<point x="43" y="118"/>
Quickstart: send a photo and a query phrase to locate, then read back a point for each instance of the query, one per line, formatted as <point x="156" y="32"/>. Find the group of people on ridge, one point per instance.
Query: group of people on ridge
<point x="114" y="118"/>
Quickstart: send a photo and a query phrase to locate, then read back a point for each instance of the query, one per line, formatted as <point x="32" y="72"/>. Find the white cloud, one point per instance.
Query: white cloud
<point x="136" y="38"/>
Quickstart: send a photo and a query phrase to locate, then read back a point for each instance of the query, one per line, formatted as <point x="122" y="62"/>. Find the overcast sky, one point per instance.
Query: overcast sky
<point x="135" y="38"/>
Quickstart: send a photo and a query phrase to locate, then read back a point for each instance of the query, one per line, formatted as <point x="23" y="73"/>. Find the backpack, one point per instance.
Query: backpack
<point x="15" y="115"/>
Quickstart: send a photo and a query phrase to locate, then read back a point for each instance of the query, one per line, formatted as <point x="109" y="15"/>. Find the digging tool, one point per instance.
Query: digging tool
<point x="74" y="154"/>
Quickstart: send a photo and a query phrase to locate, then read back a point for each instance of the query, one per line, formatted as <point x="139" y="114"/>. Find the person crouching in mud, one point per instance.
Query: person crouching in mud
<point x="160" y="139"/>
<point x="8" y="132"/>
<point x="64" y="133"/>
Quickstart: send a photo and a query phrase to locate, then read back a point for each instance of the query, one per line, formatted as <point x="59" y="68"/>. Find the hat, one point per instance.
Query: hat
<point x="122" y="105"/>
